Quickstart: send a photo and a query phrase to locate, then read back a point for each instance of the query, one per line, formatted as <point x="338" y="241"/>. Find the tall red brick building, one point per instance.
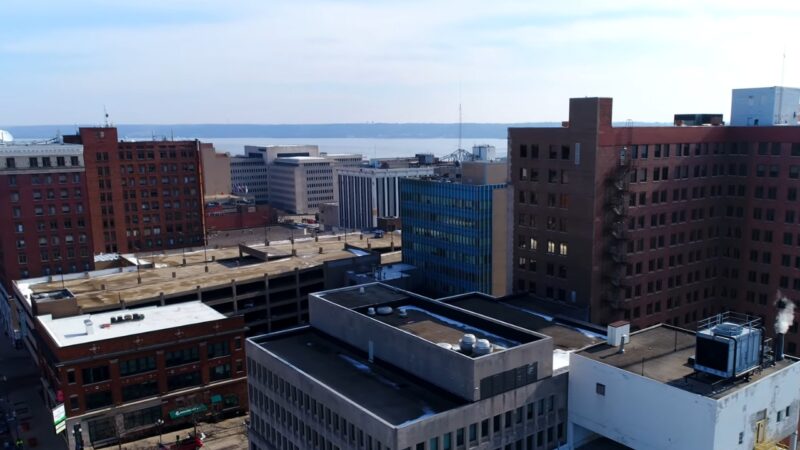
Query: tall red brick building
<point x="146" y="195"/>
<point x="656" y="224"/>
<point x="45" y="228"/>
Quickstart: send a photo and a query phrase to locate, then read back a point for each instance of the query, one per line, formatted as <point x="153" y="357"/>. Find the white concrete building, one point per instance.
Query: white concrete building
<point x="249" y="175"/>
<point x="366" y="193"/>
<point x="299" y="184"/>
<point x="653" y="397"/>
<point x="776" y="105"/>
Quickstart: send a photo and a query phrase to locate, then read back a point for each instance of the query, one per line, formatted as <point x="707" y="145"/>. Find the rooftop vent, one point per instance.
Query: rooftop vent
<point x="482" y="347"/>
<point x="467" y="343"/>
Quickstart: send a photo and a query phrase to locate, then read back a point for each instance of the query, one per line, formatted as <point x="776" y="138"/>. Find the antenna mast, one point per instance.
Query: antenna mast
<point x="105" y="116"/>
<point x="459" y="126"/>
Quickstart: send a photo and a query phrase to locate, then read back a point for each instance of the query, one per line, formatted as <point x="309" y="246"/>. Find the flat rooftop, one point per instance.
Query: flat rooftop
<point x="565" y="337"/>
<point x="390" y="393"/>
<point x="428" y="319"/>
<point x="102" y="288"/>
<point x="662" y="353"/>
<point x="73" y="330"/>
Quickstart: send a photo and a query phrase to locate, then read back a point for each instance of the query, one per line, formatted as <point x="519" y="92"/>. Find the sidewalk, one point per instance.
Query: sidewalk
<point x="30" y="419"/>
<point x="229" y="434"/>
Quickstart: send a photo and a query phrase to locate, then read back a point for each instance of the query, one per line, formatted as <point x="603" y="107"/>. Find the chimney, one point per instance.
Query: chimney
<point x="89" y="327"/>
<point x="618" y="332"/>
<point x="779" y="347"/>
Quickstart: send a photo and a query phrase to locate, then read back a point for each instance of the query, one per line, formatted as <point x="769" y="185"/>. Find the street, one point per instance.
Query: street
<point x="23" y="409"/>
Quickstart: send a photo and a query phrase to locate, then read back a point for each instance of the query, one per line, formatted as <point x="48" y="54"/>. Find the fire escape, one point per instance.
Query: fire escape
<point x="615" y="233"/>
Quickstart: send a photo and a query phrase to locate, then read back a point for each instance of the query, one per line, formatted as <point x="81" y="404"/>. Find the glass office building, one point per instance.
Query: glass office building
<point x="455" y="234"/>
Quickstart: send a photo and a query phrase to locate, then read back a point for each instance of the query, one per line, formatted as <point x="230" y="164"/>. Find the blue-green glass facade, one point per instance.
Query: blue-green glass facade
<point x="447" y="233"/>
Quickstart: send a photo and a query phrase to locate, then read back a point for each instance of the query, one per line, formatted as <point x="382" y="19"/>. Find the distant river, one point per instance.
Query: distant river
<point x="370" y="148"/>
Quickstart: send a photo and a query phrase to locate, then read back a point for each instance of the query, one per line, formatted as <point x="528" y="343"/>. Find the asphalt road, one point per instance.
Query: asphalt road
<point x="24" y="409"/>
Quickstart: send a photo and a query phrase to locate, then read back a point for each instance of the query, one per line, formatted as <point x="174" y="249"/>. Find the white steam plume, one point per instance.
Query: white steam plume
<point x="785" y="316"/>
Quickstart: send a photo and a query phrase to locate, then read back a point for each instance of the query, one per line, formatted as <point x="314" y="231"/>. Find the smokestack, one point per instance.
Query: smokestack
<point x="779" y="347"/>
<point x="783" y="320"/>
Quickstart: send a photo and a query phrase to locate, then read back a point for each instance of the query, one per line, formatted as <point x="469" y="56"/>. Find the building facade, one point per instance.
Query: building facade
<point x="357" y="379"/>
<point x="777" y="105"/>
<point x="649" y="397"/>
<point x="366" y="193"/>
<point x="655" y="224"/>
<point x="300" y="184"/>
<point x="216" y="171"/>
<point x="249" y="177"/>
<point x="47" y="228"/>
<point x="146" y="195"/>
<point x="117" y="373"/>
<point x="456" y="234"/>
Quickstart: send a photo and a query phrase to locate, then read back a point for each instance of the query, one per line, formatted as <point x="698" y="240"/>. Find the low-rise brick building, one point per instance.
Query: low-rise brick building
<point x="119" y="372"/>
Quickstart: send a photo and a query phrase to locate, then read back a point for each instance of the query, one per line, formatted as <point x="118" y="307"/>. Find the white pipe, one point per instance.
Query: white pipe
<point x="793" y="441"/>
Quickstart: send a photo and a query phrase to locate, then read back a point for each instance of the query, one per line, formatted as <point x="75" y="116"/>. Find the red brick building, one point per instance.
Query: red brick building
<point x="656" y="224"/>
<point x="45" y="228"/>
<point x="118" y="372"/>
<point x="147" y="195"/>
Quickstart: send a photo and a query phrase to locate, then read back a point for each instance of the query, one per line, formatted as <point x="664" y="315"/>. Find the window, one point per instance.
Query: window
<point x="142" y="417"/>
<point x="138" y="365"/>
<point x="97" y="400"/>
<point x="220" y="372"/>
<point x="71" y="376"/>
<point x="183" y="380"/>
<point x="218" y="349"/>
<point x="182" y="356"/>
<point x="600" y="389"/>
<point x="95" y="374"/>
<point x="139" y="390"/>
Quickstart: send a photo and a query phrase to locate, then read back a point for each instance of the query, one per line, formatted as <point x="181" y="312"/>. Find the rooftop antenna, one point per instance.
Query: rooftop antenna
<point x="105" y="115"/>
<point x="459" y="125"/>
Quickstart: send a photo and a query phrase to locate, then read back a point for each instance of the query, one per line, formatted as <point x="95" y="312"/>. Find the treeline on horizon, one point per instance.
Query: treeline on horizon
<point x="354" y="130"/>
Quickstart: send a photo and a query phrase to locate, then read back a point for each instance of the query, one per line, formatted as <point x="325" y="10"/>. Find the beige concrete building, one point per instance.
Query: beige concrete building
<point x="216" y="171"/>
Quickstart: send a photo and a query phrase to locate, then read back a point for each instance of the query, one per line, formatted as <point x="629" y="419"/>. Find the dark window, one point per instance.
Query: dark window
<point x="95" y="374"/>
<point x="139" y="390"/>
<point x="142" y="417"/>
<point x="182" y="356"/>
<point x="97" y="400"/>
<point x="138" y="365"/>
<point x="183" y="380"/>
<point x="220" y="372"/>
<point x="600" y="389"/>
<point x="218" y="349"/>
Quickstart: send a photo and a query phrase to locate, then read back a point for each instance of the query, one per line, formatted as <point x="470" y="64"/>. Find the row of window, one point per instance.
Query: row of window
<point x="36" y="179"/>
<point x="45" y="161"/>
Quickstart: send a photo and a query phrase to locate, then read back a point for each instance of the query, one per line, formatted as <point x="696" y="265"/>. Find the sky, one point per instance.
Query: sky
<point x="345" y="61"/>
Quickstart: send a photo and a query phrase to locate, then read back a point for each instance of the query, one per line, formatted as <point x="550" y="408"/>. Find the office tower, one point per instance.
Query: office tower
<point x="367" y="193"/>
<point x="456" y="233"/>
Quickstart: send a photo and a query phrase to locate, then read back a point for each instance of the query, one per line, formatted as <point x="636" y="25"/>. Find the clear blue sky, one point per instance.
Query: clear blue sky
<point x="298" y="61"/>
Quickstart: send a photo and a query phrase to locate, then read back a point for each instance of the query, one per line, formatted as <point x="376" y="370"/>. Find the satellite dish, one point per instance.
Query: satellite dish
<point x="6" y="137"/>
